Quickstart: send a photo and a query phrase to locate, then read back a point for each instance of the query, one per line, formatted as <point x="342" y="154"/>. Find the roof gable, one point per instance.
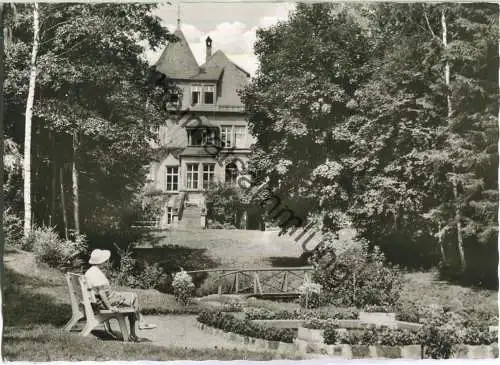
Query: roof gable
<point x="233" y="79"/>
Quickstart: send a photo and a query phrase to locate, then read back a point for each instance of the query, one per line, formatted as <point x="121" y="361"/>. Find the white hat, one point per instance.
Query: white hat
<point x="98" y="257"/>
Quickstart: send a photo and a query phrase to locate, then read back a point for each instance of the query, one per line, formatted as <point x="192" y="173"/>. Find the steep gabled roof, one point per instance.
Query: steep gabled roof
<point x="234" y="78"/>
<point x="208" y="74"/>
<point x="220" y="59"/>
<point x="177" y="60"/>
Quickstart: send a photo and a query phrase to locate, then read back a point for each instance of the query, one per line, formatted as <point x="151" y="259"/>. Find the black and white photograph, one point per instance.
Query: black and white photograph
<point x="249" y="180"/>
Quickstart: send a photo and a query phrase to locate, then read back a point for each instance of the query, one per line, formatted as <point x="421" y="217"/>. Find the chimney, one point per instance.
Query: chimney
<point x="208" y="43"/>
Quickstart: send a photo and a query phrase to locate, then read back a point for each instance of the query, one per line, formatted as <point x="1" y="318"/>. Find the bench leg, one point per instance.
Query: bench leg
<point x="107" y="326"/>
<point x="89" y="326"/>
<point x="123" y="328"/>
<point x="71" y="323"/>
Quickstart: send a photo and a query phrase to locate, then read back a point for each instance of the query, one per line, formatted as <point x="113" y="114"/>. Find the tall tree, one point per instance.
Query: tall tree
<point x="28" y="121"/>
<point x="2" y="237"/>
<point x="95" y="88"/>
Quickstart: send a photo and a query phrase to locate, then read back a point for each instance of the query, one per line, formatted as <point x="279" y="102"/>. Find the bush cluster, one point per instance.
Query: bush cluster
<point x="228" y="323"/>
<point x="338" y="313"/>
<point x="131" y="274"/>
<point x="359" y="276"/>
<point x="50" y="249"/>
<point x="379" y="309"/>
<point x="475" y="317"/>
<point x="309" y="295"/>
<point x="370" y="336"/>
<point x="13" y="229"/>
<point x="183" y="287"/>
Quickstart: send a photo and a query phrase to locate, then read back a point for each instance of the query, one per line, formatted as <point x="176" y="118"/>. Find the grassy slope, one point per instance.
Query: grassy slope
<point x="37" y="306"/>
<point x="423" y="288"/>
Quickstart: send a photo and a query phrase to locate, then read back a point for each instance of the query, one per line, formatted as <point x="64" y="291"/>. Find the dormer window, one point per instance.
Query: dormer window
<point x="209" y="95"/>
<point x="195" y="95"/>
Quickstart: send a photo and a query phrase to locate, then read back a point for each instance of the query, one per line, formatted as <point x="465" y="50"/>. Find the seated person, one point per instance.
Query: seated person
<point x="110" y="299"/>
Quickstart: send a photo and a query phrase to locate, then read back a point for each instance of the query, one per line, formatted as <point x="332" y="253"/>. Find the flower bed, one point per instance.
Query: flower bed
<point x="332" y="333"/>
<point x="338" y="313"/>
<point x="229" y="323"/>
<point x="388" y="343"/>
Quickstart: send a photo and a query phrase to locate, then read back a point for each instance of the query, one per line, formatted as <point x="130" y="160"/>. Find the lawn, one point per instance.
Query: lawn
<point x="235" y="248"/>
<point x="424" y="288"/>
<point x="37" y="306"/>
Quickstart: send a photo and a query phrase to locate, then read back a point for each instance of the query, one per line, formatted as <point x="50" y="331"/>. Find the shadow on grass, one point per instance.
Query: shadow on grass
<point x="288" y="261"/>
<point x="24" y="307"/>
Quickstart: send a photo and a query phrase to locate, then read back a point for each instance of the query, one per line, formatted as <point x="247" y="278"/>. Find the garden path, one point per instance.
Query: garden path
<point x="182" y="331"/>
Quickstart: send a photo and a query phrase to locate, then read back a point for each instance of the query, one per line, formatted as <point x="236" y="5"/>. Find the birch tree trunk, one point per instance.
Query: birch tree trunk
<point x="2" y="237"/>
<point x="53" y="179"/>
<point x="28" y="121"/>
<point x="74" y="175"/>
<point x="63" y="203"/>
<point x="454" y="181"/>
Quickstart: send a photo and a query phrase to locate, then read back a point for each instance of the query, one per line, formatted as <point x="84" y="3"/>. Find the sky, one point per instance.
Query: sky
<point x="232" y="27"/>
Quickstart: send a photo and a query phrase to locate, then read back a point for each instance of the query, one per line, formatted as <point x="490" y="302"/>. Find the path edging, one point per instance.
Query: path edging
<point x="251" y="342"/>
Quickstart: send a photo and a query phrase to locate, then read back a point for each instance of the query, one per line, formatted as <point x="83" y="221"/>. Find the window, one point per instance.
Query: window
<point x="226" y="136"/>
<point x="208" y="174"/>
<point x="195" y="137"/>
<point x="240" y="134"/>
<point x="201" y="136"/>
<point x="195" y="95"/>
<point x="192" y="176"/>
<point x="170" y="215"/>
<point x="172" y="178"/>
<point x="231" y="173"/>
<point x="173" y="98"/>
<point x="208" y="95"/>
<point x="233" y="136"/>
<point x="209" y="136"/>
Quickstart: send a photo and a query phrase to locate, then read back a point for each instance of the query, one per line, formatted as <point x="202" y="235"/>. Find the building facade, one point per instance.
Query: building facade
<point x="205" y="111"/>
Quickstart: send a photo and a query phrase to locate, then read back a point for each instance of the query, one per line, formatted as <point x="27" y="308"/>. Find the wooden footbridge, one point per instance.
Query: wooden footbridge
<point x="266" y="283"/>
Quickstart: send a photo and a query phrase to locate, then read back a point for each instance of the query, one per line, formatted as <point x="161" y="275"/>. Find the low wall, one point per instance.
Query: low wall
<point x="312" y="341"/>
<point x="279" y="323"/>
<point x="343" y="323"/>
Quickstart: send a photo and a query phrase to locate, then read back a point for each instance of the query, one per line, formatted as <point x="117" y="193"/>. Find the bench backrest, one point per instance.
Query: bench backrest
<point x="80" y="294"/>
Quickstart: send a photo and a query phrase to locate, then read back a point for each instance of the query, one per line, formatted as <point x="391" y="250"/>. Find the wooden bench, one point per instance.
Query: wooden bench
<point x="82" y="299"/>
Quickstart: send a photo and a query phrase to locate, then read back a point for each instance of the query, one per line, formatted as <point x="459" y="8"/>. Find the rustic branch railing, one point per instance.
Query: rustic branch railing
<point x="262" y="285"/>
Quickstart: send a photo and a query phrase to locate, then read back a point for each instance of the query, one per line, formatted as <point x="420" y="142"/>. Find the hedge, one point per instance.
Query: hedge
<point x="228" y="323"/>
<point x="337" y="313"/>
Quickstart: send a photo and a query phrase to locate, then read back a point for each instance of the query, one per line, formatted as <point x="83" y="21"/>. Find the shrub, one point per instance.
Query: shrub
<point x="48" y="248"/>
<point x="370" y="336"/>
<point x="358" y="277"/>
<point x="309" y="295"/>
<point x="478" y="336"/>
<point x="13" y="229"/>
<point x="131" y="274"/>
<point x="183" y="287"/>
<point x="398" y="337"/>
<point x="225" y="206"/>
<point x="228" y="323"/>
<point x="316" y="323"/>
<point x="408" y="312"/>
<point x="379" y="309"/>
<point x="440" y="333"/>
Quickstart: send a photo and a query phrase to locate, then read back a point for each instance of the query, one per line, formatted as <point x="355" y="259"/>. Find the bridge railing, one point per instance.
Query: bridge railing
<point x="280" y="281"/>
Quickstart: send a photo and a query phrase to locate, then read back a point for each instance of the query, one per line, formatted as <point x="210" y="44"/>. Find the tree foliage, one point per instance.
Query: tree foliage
<point x="93" y="83"/>
<point x="351" y="109"/>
